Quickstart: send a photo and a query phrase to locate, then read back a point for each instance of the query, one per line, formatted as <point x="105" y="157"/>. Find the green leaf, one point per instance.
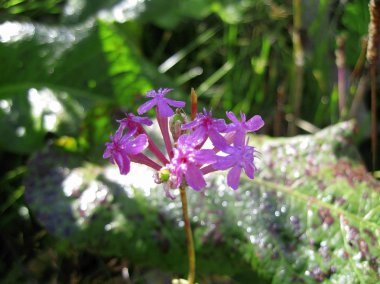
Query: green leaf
<point x="52" y="76"/>
<point x="309" y="216"/>
<point x="356" y="20"/>
<point x="166" y="14"/>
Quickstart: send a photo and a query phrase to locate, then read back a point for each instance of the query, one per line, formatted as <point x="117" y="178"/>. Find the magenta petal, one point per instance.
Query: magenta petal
<point x="205" y="156"/>
<point x="239" y="138"/>
<point x="220" y="125"/>
<point x="132" y="120"/>
<point x="217" y="139"/>
<point x="190" y="125"/>
<point x="124" y="140"/>
<point x="255" y="123"/>
<point x="122" y="162"/>
<point x="107" y="152"/>
<point x="232" y="117"/>
<point x="146" y="106"/>
<point x="198" y="136"/>
<point x="175" y="103"/>
<point x="136" y="145"/>
<point x="194" y="177"/>
<point x="233" y="177"/>
<point x="223" y="163"/>
<point x="142" y="120"/>
<point x="249" y="170"/>
<point x="151" y="94"/>
<point x="164" y="91"/>
<point x="183" y="140"/>
<point x="163" y="109"/>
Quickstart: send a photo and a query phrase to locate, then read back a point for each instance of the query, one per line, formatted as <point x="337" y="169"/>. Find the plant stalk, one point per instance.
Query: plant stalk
<point x="340" y="63"/>
<point x="298" y="56"/>
<point x="372" y="57"/>
<point x="189" y="236"/>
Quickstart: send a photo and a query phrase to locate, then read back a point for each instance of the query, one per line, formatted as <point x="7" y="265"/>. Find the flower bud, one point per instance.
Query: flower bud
<point x="164" y="174"/>
<point x="175" y="123"/>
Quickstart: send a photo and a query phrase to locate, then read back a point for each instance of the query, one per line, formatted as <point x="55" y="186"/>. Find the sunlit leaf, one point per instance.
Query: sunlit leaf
<point x="309" y="216"/>
<point x="52" y="76"/>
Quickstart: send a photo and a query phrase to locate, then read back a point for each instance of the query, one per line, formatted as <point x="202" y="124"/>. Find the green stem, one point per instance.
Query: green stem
<point x="298" y="57"/>
<point x="372" y="56"/>
<point x="189" y="236"/>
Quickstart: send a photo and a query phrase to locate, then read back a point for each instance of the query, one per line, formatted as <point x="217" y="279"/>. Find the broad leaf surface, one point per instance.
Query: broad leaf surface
<point x="311" y="215"/>
<point x="51" y="76"/>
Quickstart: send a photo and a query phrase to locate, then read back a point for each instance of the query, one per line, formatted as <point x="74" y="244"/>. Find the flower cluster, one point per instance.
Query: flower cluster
<point x="187" y="161"/>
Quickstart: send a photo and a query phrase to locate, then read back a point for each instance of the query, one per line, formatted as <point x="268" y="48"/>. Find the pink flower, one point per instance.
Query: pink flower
<point x="206" y="126"/>
<point x="134" y="122"/>
<point x="186" y="162"/>
<point x="163" y="104"/>
<point x="240" y="157"/>
<point x="243" y="126"/>
<point x="122" y="147"/>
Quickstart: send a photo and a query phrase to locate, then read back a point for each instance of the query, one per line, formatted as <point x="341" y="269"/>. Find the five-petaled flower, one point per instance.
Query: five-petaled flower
<point x="187" y="160"/>
<point x="163" y="104"/>
<point x="122" y="147"/>
<point x="243" y="126"/>
<point x="133" y="122"/>
<point x="205" y="126"/>
<point x="238" y="158"/>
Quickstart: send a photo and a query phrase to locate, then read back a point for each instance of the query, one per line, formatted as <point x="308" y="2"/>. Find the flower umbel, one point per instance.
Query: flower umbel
<point x="187" y="162"/>
<point x="238" y="158"/>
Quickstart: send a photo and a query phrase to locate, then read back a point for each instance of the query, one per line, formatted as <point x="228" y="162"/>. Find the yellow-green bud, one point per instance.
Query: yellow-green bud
<point x="164" y="175"/>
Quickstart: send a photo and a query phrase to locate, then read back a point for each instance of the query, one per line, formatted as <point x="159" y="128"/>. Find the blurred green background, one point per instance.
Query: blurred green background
<point x="69" y="69"/>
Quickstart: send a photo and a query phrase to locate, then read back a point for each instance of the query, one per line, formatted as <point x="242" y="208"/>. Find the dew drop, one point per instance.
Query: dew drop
<point x="252" y="238"/>
<point x="5" y="106"/>
<point x="20" y="131"/>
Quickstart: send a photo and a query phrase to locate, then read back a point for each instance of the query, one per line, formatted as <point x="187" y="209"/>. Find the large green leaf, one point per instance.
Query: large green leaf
<point x="311" y="215"/>
<point x="167" y="13"/>
<point x="355" y="19"/>
<point x="51" y="76"/>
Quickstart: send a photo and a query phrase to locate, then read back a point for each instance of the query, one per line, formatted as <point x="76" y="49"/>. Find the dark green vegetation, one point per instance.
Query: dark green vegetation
<point x="70" y="68"/>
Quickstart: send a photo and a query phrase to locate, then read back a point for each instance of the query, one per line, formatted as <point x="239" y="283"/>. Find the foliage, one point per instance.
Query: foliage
<point x="69" y="68"/>
<point x="312" y="219"/>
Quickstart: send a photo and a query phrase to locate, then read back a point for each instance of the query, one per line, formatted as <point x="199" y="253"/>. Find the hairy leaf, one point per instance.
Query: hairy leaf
<point x="51" y="76"/>
<point x="311" y="214"/>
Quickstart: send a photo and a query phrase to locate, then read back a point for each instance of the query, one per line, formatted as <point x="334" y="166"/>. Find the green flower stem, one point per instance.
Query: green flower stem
<point x="189" y="236"/>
